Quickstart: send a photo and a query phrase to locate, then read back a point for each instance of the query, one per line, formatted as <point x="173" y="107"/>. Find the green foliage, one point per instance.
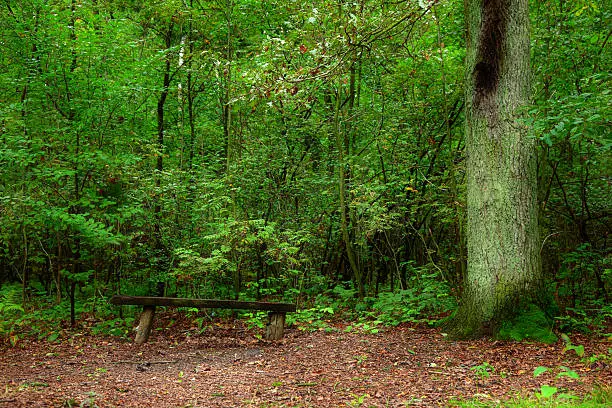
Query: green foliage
<point x="365" y="326"/>
<point x="317" y="318"/>
<point x="578" y="349"/>
<point x="119" y="327"/>
<point x="574" y="163"/>
<point x="583" y="281"/>
<point x="357" y="400"/>
<point x="567" y="372"/>
<point x="547" y="397"/>
<point x="539" y="371"/>
<point x="255" y="319"/>
<point x="47" y="321"/>
<point x="253" y="242"/>
<point x="594" y="358"/>
<point x="41" y="323"/>
<point x="11" y="311"/>
<point x="10" y="300"/>
<point x="546" y="391"/>
<point x="426" y="297"/>
<point x="483" y="371"/>
<point x="246" y="202"/>
<point x="562" y="372"/>
<point x="530" y="324"/>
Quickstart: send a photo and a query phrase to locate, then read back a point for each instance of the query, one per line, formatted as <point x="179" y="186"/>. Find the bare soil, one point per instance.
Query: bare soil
<point x="230" y="366"/>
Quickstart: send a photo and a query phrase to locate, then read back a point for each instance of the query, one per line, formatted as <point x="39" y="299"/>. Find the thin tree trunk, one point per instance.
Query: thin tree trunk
<point x="344" y="216"/>
<point x="461" y="264"/>
<point x="161" y="102"/>
<point x="226" y="104"/>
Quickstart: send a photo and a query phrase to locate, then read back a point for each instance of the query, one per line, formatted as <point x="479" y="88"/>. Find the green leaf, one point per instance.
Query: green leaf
<point x="579" y="350"/>
<point x="565" y="338"/>
<point x="539" y="371"/>
<point x="567" y="372"/>
<point x="547" y="391"/>
<point x="329" y="310"/>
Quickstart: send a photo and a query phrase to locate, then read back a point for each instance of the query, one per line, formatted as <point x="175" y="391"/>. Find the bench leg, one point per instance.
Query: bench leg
<point x="145" y="325"/>
<point x="276" y="326"/>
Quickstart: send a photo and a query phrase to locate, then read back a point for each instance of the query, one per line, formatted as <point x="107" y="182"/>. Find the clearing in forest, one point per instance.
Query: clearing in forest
<point x="230" y="366"/>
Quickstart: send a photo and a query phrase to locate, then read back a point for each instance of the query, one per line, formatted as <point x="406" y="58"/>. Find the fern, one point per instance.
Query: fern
<point x="10" y="300"/>
<point x="10" y="310"/>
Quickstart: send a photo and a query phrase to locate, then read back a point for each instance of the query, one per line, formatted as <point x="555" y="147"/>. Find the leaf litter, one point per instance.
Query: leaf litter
<point x="228" y="365"/>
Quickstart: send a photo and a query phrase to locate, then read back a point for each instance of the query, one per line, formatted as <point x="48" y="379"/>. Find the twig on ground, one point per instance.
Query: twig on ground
<point x="145" y="362"/>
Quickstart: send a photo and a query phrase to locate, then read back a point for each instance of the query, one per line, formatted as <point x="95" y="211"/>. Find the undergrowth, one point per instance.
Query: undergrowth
<point x="44" y="320"/>
<point x="424" y="298"/>
<point x="600" y="397"/>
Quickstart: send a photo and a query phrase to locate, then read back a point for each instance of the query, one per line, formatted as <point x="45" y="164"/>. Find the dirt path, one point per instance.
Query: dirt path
<point x="225" y="367"/>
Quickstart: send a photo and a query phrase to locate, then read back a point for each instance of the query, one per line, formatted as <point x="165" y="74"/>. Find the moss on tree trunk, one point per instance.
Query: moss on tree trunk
<point x="502" y="233"/>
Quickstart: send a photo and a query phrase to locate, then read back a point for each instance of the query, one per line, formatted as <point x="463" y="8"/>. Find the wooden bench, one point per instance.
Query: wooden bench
<point x="276" y="316"/>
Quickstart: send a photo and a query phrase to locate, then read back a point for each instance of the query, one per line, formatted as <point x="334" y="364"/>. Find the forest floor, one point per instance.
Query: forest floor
<point x="228" y="365"/>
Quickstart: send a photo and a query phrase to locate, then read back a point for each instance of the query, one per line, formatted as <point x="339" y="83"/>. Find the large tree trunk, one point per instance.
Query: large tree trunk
<point x="502" y="234"/>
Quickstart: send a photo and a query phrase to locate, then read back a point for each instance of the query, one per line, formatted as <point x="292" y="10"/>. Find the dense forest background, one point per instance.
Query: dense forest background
<point x="283" y="150"/>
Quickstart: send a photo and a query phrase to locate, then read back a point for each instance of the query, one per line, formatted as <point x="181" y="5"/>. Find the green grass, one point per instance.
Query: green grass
<point x="598" y="398"/>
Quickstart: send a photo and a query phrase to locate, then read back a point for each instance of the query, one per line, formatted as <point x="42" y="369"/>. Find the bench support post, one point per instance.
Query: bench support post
<point x="146" y="324"/>
<point x="276" y="326"/>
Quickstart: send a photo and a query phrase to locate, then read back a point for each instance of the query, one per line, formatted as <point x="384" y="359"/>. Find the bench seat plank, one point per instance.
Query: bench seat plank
<point x="201" y="303"/>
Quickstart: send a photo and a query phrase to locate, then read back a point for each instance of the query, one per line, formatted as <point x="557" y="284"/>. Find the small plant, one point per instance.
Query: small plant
<point x="426" y="295"/>
<point x="547" y="396"/>
<point x="11" y="311"/>
<point x="578" y="349"/>
<point x="546" y="391"/>
<point x="255" y="320"/>
<point x="483" y="370"/>
<point x="568" y="372"/>
<point x="114" y="327"/>
<point x="312" y="319"/>
<point x="606" y="359"/>
<point x="32" y="384"/>
<point x="53" y="336"/>
<point x="97" y="372"/>
<point x="370" y="327"/>
<point x="90" y="401"/>
<point x="357" y="400"/>
<point x="539" y="371"/>
<point x="366" y="327"/>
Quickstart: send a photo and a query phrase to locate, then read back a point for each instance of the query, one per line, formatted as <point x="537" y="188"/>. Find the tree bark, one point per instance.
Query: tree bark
<point x="502" y="233"/>
<point x="143" y="330"/>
